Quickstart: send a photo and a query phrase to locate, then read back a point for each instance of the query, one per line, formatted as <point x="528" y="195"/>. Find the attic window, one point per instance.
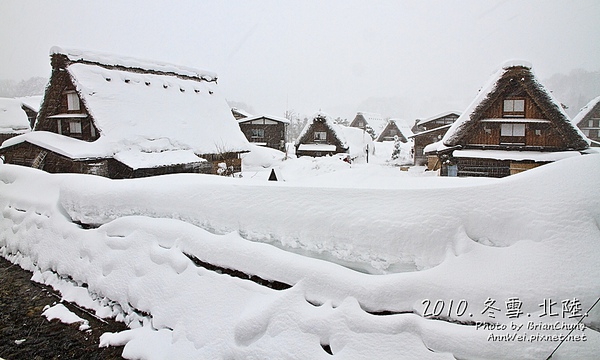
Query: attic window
<point x="514" y="108"/>
<point x="72" y="101"/>
<point x="320" y="136"/>
<point x="258" y="134"/>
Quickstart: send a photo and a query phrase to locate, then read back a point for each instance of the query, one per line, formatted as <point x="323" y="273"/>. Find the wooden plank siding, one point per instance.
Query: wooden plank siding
<point x="538" y="135"/>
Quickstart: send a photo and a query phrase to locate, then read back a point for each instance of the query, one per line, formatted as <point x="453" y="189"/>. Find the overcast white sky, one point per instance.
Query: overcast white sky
<point x="407" y="59"/>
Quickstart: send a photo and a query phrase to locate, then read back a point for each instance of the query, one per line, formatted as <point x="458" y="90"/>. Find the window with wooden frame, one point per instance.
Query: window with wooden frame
<point x="72" y="101"/>
<point x="512" y="130"/>
<point x="75" y="127"/>
<point x="514" y="108"/>
<point x="258" y="133"/>
<point x="320" y="136"/>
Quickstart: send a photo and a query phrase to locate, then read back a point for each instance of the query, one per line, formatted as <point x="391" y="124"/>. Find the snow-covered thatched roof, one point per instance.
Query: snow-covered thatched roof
<point x="13" y="120"/>
<point x="404" y="127"/>
<point x="510" y="72"/>
<point x="373" y="120"/>
<point x="133" y="102"/>
<point x="104" y="59"/>
<point x="586" y="110"/>
<point x="353" y="139"/>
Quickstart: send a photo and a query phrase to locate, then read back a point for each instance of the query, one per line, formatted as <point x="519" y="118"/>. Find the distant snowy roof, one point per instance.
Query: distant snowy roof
<point x="586" y="110"/>
<point x="353" y="139"/>
<point x="374" y="120"/>
<point x="13" y="120"/>
<point x="269" y="117"/>
<point x="404" y="127"/>
<point x="329" y="122"/>
<point x="32" y="102"/>
<point x="440" y="115"/>
<point x="431" y="130"/>
<point x="242" y="112"/>
<point x="129" y="108"/>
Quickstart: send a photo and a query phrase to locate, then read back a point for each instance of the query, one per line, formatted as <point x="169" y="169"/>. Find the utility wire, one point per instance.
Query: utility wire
<point x="580" y="320"/>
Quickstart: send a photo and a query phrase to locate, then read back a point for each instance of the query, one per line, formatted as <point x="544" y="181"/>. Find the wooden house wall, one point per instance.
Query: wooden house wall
<point x="422" y="140"/>
<point x="487" y="134"/>
<point x="274" y="134"/>
<point x="493" y="168"/>
<point x="25" y="154"/>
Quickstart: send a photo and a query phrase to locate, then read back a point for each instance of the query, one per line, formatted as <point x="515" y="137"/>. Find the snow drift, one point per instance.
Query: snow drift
<point x="137" y="249"/>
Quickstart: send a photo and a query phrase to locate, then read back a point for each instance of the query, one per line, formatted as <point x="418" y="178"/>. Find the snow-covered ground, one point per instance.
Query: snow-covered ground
<point x="369" y="261"/>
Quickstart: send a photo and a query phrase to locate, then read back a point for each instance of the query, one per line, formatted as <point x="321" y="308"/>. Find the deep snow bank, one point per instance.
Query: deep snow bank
<point x="373" y="230"/>
<point x="538" y="242"/>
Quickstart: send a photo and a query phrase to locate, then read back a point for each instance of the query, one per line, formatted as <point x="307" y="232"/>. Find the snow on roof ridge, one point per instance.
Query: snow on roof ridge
<point x="130" y="62"/>
<point x="266" y="116"/>
<point x="517" y="62"/>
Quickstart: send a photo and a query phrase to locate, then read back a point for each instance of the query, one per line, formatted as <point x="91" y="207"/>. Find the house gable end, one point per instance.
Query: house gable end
<point x="63" y="109"/>
<point x="518" y="113"/>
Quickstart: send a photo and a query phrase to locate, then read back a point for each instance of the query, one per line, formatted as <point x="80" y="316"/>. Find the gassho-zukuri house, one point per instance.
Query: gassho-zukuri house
<point x="121" y="117"/>
<point x="514" y="124"/>
<point x="588" y="120"/>
<point x="322" y="137"/>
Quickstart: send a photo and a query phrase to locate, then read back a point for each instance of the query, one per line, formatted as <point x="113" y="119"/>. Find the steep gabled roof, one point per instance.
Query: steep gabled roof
<point x="329" y="123"/>
<point x="373" y="120"/>
<point x="593" y="105"/>
<point x="404" y="127"/>
<point x="134" y="101"/>
<point x="503" y="79"/>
